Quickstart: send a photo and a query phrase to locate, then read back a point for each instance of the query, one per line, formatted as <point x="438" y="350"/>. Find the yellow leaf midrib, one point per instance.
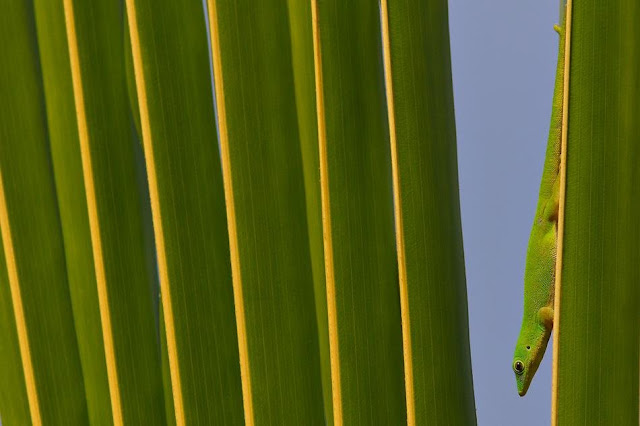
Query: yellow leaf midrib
<point x="561" y="212"/>
<point x="397" y="199"/>
<point x="163" y="270"/>
<point x="18" y="310"/>
<point x="92" y="209"/>
<point x="236" y="275"/>
<point x="334" y="351"/>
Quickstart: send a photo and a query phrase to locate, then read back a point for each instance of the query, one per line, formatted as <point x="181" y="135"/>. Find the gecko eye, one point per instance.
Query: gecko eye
<point x="528" y="347"/>
<point x="518" y="367"/>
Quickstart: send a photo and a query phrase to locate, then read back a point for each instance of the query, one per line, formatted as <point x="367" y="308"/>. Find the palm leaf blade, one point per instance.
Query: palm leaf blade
<point x="302" y="60"/>
<point x="169" y="49"/>
<point x="361" y="277"/>
<point x="263" y="176"/>
<point x="437" y="361"/>
<point x="597" y="324"/>
<point x="31" y="235"/>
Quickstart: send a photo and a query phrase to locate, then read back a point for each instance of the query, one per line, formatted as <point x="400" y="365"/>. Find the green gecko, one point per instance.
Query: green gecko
<point x="539" y="279"/>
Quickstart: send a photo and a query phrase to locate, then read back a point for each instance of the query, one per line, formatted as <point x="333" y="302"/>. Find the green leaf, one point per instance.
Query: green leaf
<point x="303" y="72"/>
<point x="131" y="84"/>
<point x="147" y="215"/>
<point x="102" y="150"/>
<point x="361" y="275"/>
<point x="166" y="374"/>
<point x="172" y="73"/>
<point x="437" y="360"/>
<point x="264" y="190"/>
<point x="14" y="405"/>
<point x="32" y="241"/>
<point x="597" y="324"/>
<point x="65" y="152"/>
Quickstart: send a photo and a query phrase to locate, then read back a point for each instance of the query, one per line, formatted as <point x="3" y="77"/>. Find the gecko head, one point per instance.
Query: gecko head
<point x="526" y="360"/>
<point x="524" y="370"/>
<point x="531" y="346"/>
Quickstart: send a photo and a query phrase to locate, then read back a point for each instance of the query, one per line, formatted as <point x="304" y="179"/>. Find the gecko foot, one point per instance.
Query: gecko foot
<point x="545" y="315"/>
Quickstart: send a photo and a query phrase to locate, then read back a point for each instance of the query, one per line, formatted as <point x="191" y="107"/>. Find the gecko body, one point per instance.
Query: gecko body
<point x="539" y="280"/>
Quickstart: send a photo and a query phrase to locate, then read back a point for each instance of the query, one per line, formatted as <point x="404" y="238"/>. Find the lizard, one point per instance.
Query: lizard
<point x="539" y="278"/>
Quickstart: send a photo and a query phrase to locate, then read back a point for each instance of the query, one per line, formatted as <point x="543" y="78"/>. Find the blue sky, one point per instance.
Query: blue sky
<point x="503" y="57"/>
